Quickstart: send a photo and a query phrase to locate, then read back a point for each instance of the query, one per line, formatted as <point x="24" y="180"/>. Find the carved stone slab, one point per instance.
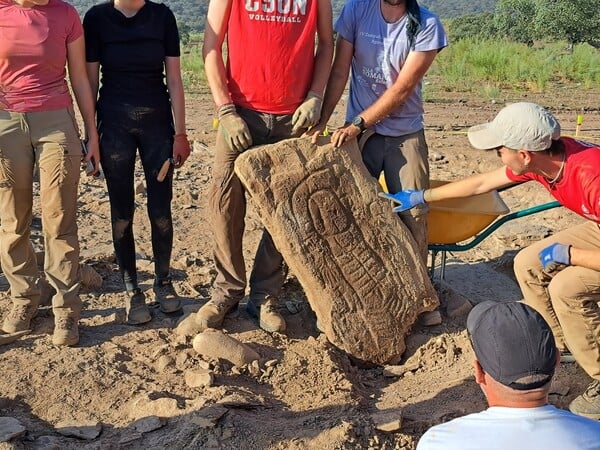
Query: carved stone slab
<point x="355" y="259"/>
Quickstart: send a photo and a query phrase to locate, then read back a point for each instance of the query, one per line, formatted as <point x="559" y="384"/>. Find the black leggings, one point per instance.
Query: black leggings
<point x="125" y="129"/>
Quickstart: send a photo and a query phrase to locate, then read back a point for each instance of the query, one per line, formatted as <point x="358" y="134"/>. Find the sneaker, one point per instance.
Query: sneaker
<point x="567" y="357"/>
<point x="588" y="403"/>
<point x="430" y="318"/>
<point x="19" y="318"/>
<point x="213" y="313"/>
<point x="267" y="314"/>
<point x="66" y="331"/>
<point x="320" y="327"/>
<point x="136" y="310"/>
<point x="166" y="296"/>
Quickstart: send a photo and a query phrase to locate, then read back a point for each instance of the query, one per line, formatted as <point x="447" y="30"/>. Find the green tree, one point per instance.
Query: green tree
<point x="185" y="30"/>
<point x="576" y="21"/>
<point x="474" y="25"/>
<point x="515" y="19"/>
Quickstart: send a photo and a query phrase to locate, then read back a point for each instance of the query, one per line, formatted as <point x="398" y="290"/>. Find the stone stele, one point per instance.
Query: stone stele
<point x="355" y="259"/>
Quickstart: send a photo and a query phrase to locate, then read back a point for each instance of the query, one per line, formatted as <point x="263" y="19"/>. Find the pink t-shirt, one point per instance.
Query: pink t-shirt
<point x="33" y="55"/>
<point x="579" y="187"/>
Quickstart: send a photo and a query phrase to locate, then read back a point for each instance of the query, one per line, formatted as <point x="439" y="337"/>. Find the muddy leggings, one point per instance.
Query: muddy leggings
<point x="124" y="130"/>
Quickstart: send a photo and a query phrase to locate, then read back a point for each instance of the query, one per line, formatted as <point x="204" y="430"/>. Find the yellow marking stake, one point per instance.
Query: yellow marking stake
<point x="579" y="122"/>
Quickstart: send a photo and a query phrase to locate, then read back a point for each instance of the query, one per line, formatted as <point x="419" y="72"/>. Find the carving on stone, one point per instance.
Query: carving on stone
<point x="355" y="259"/>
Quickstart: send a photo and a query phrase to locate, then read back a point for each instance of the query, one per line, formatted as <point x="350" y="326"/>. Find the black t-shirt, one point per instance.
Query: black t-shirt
<point x="131" y="52"/>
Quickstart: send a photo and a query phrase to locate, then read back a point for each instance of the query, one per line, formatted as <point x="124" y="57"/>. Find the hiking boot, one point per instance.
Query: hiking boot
<point x="166" y="296"/>
<point x="588" y="403"/>
<point x="267" y="314"/>
<point x="19" y="318"/>
<point x="430" y="318"/>
<point x="136" y="310"/>
<point x="212" y="314"/>
<point x="66" y="331"/>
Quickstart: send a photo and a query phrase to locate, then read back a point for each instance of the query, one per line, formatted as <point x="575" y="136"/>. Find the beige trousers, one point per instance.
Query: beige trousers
<point x="405" y="165"/>
<point x="568" y="299"/>
<point x="49" y="139"/>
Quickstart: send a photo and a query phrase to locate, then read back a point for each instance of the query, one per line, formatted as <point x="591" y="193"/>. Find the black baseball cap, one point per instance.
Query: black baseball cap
<point x="512" y="341"/>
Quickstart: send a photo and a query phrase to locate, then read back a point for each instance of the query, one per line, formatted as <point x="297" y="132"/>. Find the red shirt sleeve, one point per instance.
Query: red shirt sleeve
<point x="518" y="178"/>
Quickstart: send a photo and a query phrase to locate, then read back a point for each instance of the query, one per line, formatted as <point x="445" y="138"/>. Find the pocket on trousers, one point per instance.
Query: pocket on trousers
<point x="59" y="164"/>
<point x="5" y="179"/>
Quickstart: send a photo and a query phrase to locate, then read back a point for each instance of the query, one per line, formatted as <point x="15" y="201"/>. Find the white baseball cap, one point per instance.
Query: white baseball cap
<point x="519" y="126"/>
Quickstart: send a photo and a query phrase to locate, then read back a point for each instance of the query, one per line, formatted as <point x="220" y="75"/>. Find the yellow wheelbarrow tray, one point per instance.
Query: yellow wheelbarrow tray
<point x="455" y="220"/>
<point x="452" y="221"/>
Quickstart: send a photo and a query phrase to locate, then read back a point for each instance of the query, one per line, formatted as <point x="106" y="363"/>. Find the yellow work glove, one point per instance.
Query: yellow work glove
<point x="234" y="128"/>
<point x="308" y="113"/>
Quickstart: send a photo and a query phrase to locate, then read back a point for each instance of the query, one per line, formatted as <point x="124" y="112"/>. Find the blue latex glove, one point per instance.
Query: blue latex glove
<point x="406" y="199"/>
<point x="554" y="255"/>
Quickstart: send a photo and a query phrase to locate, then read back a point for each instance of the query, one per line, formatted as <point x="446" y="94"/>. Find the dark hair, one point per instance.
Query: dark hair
<point x="556" y="148"/>
<point x="414" y="21"/>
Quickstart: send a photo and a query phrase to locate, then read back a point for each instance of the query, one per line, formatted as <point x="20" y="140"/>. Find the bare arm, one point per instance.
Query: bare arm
<point x="336" y="83"/>
<point x="83" y="96"/>
<point x="413" y="70"/>
<point x="338" y="78"/>
<point x="324" y="53"/>
<point x="585" y="258"/>
<point x="212" y="49"/>
<point x="476" y="184"/>
<point x="181" y="146"/>
<point x="93" y="73"/>
<point x="175" y="86"/>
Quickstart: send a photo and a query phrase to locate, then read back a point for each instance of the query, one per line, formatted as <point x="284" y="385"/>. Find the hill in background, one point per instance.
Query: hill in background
<point x="448" y="9"/>
<point x="193" y="12"/>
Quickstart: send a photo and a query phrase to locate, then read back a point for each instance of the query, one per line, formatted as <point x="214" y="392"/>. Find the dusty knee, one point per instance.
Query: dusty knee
<point x="565" y="289"/>
<point x="526" y="260"/>
<point x="163" y="224"/>
<point x="120" y="227"/>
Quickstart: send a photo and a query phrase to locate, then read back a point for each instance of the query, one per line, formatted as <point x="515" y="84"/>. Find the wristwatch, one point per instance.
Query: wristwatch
<point x="359" y="122"/>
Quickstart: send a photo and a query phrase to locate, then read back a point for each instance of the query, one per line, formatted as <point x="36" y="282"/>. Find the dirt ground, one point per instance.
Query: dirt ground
<point x="305" y="394"/>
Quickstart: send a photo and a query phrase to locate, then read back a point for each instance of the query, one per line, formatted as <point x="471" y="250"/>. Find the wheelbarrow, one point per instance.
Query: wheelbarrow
<point x="456" y="220"/>
<point x="452" y="222"/>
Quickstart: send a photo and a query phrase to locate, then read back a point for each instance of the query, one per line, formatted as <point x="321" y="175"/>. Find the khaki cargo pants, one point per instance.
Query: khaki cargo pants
<point x="50" y="139"/>
<point x="567" y="299"/>
<point x="227" y="201"/>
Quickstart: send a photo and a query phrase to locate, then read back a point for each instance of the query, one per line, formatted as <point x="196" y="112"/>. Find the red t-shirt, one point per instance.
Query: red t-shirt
<point x="579" y="187"/>
<point x="33" y="55"/>
<point x="271" y="48"/>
